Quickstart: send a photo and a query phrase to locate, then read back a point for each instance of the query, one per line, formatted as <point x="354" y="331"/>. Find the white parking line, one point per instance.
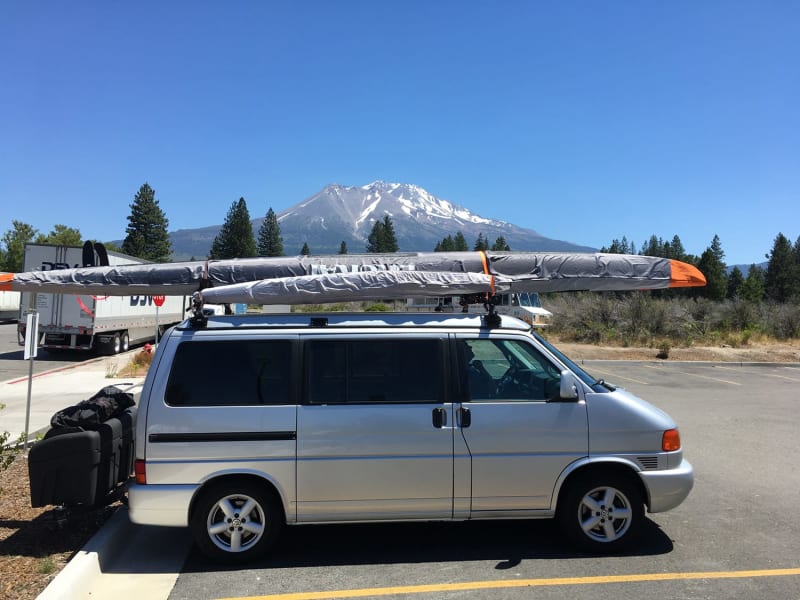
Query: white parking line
<point x="711" y="378"/>
<point x="616" y="375"/>
<point x="761" y="374"/>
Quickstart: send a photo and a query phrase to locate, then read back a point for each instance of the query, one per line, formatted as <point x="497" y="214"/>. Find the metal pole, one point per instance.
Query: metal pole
<point x="31" y="349"/>
<point x="28" y="406"/>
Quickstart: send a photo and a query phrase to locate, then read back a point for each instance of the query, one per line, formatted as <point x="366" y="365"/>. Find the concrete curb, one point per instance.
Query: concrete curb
<point x="77" y="577"/>
<point x="52" y="371"/>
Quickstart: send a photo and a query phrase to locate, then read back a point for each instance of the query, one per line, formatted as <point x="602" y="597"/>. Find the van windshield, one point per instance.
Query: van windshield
<point x="532" y="300"/>
<point x="579" y="372"/>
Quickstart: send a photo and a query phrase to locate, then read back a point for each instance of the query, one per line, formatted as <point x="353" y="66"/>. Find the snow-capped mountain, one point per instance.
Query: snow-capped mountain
<point x="340" y="213"/>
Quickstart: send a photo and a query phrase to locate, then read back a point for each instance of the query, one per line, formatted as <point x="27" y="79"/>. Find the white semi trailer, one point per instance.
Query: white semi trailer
<point x="106" y="324"/>
<point x="9" y="306"/>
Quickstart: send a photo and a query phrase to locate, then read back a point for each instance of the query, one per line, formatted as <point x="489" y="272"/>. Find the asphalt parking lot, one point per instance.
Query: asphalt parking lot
<point x="737" y="535"/>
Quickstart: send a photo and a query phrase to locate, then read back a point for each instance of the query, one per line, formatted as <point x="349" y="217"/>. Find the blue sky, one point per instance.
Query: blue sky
<point x="585" y="121"/>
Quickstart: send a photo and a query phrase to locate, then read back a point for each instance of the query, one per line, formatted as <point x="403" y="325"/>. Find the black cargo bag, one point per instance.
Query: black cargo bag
<point x="105" y="404"/>
<point x="87" y="452"/>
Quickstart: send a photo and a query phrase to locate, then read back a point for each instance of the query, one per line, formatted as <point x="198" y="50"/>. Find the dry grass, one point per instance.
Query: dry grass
<point x="764" y="351"/>
<point x="139" y="364"/>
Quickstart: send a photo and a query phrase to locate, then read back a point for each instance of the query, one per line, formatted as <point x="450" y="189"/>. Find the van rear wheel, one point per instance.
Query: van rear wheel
<point x="601" y="512"/>
<point x="236" y="521"/>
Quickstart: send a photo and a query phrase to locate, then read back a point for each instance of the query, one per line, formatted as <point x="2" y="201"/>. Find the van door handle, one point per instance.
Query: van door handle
<point x="439" y="417"/>
<point x="464" y="417"/>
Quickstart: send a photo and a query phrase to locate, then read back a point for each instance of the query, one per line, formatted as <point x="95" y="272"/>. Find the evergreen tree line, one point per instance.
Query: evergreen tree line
<point x="147" y="237"/>
<point x="778" y="282"/>
<point x="458" y="243"/>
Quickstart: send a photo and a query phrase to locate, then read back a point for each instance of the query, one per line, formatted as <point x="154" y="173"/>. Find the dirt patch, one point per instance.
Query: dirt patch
<point x="787" y="352"/>
<point x="36" y="543"/>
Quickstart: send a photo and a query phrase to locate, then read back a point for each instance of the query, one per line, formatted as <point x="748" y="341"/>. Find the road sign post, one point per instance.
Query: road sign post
<point x="31" y="351"/>
<point x="159" y="302"/>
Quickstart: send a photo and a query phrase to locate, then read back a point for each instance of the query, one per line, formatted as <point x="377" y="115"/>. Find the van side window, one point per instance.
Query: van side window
<point x="506" y="370"/>
<point x="230" y="373"/>
<point x="374" y="371"/>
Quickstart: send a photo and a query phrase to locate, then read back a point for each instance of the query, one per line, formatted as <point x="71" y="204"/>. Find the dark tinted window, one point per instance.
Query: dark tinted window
<point x="366" y="371"/>
<point x="230" y="373"/>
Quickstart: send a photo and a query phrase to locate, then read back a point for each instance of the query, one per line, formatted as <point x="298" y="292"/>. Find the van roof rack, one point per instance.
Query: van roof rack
<point x="359" y="320"/>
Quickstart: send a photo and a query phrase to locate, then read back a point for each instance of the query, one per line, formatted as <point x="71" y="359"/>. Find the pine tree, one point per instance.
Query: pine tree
<point x="270" y="242"/>
<point x="235" y="239"/>
<point x="752" y="289"/>
<point x="14" y="240"/>
<point x="305" y="250"/>
<point x="712" y="265"/>
<point x="382" y="237"/>
<point x="146" y="233"/>
<point x="678" y="251"/>
<point x="654" y="247"/>
<point x="447" y="244"/>
<point x="735" y="283"/>
<point x="481" y="243"/>
<point x="390" y="239"/>
<point x="460" y="243"/>
<point x="375" y="238"/>
<point x="343" y="248"/>
<point x="782" y="279"/>
<point x="500" y="245"/>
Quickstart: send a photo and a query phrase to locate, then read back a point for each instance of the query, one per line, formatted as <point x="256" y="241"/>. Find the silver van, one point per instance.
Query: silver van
<point x="247" y="424"/>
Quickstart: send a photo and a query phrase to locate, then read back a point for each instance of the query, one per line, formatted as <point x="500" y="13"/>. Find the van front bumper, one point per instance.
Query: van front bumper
<point x="166" y="505"/>
<point x="667" y="489"/>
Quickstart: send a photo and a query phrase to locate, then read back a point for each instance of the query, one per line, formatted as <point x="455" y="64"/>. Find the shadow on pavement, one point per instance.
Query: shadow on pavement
<point x="507" y="542"/>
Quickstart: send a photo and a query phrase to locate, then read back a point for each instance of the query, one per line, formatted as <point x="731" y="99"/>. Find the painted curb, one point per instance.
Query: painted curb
<point x="78" y="576"/>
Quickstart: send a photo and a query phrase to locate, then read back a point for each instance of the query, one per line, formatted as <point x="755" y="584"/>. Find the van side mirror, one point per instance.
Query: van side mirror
<point x="569" y="388"/>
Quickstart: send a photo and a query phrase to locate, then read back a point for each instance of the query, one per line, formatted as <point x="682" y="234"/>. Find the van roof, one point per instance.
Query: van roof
<point x="350" y="320"/>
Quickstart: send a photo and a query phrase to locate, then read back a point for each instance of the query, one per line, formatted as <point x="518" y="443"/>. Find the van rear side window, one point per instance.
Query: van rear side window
<point x="374" y="371"/>
<point x="230" y="373"/>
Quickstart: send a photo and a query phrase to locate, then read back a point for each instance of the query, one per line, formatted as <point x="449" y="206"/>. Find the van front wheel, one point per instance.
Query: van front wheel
<point x="235" y="522"/>
<point x="601" y="513"/>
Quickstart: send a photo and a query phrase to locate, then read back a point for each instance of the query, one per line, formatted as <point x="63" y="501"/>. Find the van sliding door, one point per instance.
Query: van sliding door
<point x="374" y="432"/>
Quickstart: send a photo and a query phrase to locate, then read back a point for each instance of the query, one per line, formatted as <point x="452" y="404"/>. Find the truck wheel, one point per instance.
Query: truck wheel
<point x="126" y="341"/>
<point x="111" y="346"/>
<point x="601" y="512"/>
<point x="235" y="521"/>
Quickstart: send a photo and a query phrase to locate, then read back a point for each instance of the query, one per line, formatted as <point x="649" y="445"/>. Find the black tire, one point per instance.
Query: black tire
<point x="111" y="346"/>
<point x="125" y="342"/>
<point x="601" y="513"/>
<point x="114" y="345"/>
<point x="226" y="534"/>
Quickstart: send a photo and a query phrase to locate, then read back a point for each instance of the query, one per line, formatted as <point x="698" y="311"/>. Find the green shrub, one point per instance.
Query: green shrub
<point x="7" y="452"/>
<point x="377" y="307"/>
